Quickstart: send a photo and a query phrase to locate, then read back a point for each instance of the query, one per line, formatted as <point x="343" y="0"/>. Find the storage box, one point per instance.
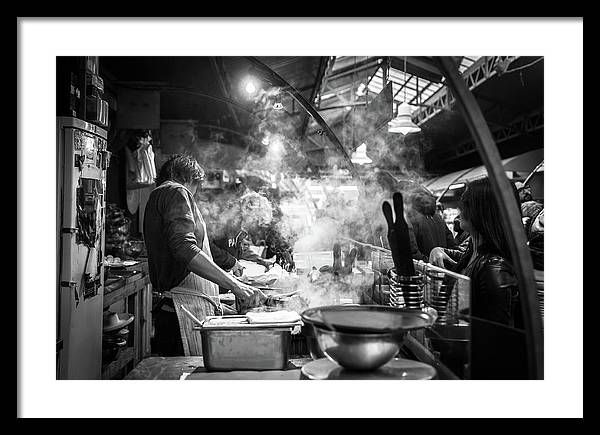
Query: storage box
<point x="231" y="343"/>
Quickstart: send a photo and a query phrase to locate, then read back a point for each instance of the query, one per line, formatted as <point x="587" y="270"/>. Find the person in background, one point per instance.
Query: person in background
<point x="497" y="336"/>
<point x="535" y="239"/>
<point x="524" y="192"/>
<point x="429" y="228"/>
<point x="439" y="207"/>
<point x="179" y="252"/>
<point x="532" y="213"/>
<point x="461" y="234"/>
<point x="236" y="238"/>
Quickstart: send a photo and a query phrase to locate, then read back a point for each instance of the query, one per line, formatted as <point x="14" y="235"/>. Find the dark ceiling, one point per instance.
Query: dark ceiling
<point x="210" y="90"/>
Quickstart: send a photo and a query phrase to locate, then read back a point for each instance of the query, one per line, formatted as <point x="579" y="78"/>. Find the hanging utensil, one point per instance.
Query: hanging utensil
<point x="190" y="315"/>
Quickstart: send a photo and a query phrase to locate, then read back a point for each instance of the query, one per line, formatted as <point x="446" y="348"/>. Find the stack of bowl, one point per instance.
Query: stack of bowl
<point x="406" y="291"/>
<point x="114" y="334"/>
<point x="539" y="283"/>
<point x="438" y="297"/>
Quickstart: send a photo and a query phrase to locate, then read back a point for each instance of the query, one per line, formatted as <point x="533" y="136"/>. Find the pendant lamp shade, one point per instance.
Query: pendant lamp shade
<point x="360" y="157"/>
<point x="402" y="123"/>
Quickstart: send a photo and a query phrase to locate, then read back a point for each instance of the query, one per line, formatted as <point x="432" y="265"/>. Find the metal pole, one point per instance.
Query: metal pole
<point x="509" y="212"/>
<point x="532" y="172"/>
<point x="462" y="174"/>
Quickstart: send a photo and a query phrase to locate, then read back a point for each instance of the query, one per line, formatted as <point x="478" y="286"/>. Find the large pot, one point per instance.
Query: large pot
<point x="452" y="343"/>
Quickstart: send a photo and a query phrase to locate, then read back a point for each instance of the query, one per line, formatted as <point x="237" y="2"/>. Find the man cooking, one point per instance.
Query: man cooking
<point x="179" y="255"/>
<point x="234" y="240"/>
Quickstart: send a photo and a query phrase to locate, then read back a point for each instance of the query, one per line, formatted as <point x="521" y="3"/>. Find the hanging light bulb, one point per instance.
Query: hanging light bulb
<point x="278" y="105"/>
<point x="250" y="87"/>
<point x="402" y="123"/>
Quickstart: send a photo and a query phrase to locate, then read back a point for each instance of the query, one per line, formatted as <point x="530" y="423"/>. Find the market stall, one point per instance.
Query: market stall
<point x="340" y="294"/>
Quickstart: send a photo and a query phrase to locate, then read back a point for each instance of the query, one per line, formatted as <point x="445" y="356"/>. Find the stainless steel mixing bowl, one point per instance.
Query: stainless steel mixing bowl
<point x="363" y="337"/>
<point x="359" y="351"/>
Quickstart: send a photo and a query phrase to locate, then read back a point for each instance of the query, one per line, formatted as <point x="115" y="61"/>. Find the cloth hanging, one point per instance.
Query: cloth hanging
<point x="141" y="169"/>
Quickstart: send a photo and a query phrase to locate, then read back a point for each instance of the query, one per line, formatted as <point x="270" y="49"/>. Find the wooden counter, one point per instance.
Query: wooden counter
<point x="130" y="287"/>
<point x="192" y="368"/>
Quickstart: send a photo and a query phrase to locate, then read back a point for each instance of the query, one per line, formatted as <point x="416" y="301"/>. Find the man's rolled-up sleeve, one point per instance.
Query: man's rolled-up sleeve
<point x="179" y="227"/>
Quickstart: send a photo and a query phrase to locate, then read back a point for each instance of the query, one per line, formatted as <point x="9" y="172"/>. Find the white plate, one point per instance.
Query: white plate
<point x="124" y="263"/>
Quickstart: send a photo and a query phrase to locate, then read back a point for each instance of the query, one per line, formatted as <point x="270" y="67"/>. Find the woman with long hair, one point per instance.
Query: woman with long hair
<point x="497" y="336"/>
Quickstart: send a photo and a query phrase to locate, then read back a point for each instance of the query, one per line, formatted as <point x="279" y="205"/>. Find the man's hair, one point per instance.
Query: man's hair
<point x="181" y="168"/>
<point x="479" y="206"/>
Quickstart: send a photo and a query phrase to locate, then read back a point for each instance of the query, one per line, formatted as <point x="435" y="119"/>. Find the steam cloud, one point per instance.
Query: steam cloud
<point x="330" y="216"/>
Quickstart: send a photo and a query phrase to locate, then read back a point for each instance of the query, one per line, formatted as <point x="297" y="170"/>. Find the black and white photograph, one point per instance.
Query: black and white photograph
<point x="368" y="211"/>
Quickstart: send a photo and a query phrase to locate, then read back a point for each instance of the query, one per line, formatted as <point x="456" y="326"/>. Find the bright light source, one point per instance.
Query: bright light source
<point x="348" y="108"/>
<point x="265" y="140"/>
<point x="250" y="87"/>
<point x="359" y="156"/>
<point x="361" y="90"/>
<point x="278" y="105"/>
<point x="456" y="186"/>
<point x="403" y="123"/>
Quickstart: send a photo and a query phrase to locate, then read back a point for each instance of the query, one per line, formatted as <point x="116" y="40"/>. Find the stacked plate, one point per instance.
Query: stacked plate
<point x="540" y="294"/>
<point x="406" y="292"/>
<point x="539" y="283"/>
<point x="112" y="342"/>
<point x="438" y="298"/>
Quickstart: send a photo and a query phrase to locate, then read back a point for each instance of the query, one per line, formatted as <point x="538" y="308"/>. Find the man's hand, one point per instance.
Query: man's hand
<point x="285" y="260"/>
<point x="237" y="269"/>
<point x="437" y="256"/>
<point x="248" y="296"/>
<point x="228" y="311"/>
<point x="267" y="264"/>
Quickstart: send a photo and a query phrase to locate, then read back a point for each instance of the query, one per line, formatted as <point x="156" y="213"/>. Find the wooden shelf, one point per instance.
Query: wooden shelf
<point x="133" y="286"/>
<point x="111" y="370"/>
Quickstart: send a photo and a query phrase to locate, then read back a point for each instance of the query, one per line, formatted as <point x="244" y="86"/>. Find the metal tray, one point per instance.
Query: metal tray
<point x="231" y="343"/>
<point x="229" y="323"/>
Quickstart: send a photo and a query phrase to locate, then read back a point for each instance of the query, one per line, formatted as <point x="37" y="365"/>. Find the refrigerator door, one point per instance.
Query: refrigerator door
<point x="81" y="205"/>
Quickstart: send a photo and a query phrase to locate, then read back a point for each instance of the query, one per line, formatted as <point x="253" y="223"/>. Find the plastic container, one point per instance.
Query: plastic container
<point x="231" y="343"/>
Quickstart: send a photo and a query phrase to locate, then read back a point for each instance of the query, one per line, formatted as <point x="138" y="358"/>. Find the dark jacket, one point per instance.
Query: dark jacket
<point x="497" y="338"/>
<point x="459" y="238"/>
<point x="222" y="258"/>
<point x="231" y="247"/>
<point x="429" y="228"/>
<point x="173" y="234"/>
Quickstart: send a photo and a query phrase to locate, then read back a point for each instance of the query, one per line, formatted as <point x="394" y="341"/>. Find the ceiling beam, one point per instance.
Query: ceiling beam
<point x="352" y="69"/>
<point x="479" y="72"/>
<point x="403" y="86"/>
<point x="321" y="71"/>
<point x="416" y="68"/>
<point x="323" y="83"/>
<point x="521" y="126"/>
<point x="217" y="66"/>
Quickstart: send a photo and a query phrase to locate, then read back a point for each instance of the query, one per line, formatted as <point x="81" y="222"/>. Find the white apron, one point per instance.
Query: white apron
<point x="194" y="284"/>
